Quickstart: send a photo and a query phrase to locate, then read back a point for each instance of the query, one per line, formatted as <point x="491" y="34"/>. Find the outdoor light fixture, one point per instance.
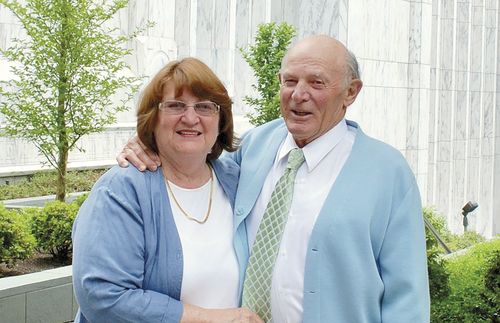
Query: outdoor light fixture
<point x="468" y="208"/>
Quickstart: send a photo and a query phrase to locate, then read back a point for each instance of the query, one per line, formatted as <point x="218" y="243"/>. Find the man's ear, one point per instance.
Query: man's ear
<point x="353" y="91"/>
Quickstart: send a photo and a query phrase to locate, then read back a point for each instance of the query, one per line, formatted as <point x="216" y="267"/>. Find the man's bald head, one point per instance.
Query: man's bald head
<point x="328" y="47"/>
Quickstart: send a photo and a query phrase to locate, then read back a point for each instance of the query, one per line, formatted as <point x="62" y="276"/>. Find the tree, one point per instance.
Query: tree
<point x="66" y="72"/>
<point x="264" y="57"/>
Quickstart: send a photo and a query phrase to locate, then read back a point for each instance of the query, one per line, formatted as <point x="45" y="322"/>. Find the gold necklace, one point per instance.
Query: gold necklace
<point x="189" y="217"/>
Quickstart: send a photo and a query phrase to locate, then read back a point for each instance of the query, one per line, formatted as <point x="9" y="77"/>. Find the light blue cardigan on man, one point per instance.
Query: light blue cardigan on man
<point x="366" y="259"/>
<point x="127" y="260"/>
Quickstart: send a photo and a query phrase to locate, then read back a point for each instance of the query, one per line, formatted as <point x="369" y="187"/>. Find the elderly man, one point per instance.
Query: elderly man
<point x="333" y="216"/>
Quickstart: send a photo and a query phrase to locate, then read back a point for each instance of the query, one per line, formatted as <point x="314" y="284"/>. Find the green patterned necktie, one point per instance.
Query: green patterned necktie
<point x="257" y="285"/>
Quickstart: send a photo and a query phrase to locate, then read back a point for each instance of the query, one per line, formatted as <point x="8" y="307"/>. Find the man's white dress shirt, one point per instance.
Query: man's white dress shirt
<point x="324" y="158"/>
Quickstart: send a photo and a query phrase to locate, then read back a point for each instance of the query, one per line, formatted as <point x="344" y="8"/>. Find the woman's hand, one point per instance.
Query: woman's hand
<point x="195" y="314"/>
<point x="138" y="155"/>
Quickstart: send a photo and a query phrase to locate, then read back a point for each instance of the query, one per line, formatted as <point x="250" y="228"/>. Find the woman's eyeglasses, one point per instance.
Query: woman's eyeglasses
<point x="204" y="108"/>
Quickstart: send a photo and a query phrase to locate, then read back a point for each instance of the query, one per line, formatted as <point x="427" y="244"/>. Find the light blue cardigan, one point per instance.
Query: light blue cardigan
<point x="127" y="258"/>
<point x="366" y="258"/>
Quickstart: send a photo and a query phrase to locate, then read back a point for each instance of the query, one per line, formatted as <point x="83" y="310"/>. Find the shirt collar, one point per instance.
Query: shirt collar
<point x="316" y="150"/>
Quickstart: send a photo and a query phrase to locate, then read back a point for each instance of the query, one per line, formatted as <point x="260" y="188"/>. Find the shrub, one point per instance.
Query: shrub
<point x="438" y="277"/>
<point x="465" y="240"/>
<point x="16" y="240"/>
<point x="491" y="294"/>
<point x="453" y="241"/>
<point x="468" y="300"/>
<point x="80" y="199"/>
<point x="492" y="277"/>
<point x="438" y="222"/>
<point x="51" y="226"/>
<point x="264" y="57"/>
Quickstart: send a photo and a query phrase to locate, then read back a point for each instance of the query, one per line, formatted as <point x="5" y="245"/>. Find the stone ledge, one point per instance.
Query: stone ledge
<point x="15" y="285"/>
<point x="46" y="296"/>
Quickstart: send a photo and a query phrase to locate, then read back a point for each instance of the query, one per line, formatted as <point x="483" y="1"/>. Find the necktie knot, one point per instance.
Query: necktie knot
<point x="295" y="159"/>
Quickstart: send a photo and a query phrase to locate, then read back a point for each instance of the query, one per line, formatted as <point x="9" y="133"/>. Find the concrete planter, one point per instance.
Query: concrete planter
<point x="45" y="297"/>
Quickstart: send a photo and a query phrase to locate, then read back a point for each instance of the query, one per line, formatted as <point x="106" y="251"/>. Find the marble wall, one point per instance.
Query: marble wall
<point x="464" y="109"/>
<point x="395" y="63"/>
<point x="430" y="71"/>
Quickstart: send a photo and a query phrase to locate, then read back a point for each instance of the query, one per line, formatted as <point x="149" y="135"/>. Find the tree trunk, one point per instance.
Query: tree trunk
<point x="62" y="145"/>
<point x="61" y="174"/>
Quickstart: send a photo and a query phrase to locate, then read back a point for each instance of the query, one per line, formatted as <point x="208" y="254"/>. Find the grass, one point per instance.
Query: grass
<point x="44" y="183"/>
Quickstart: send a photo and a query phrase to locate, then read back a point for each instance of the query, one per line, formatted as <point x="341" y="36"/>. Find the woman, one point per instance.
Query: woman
<point x="158" y="246"/>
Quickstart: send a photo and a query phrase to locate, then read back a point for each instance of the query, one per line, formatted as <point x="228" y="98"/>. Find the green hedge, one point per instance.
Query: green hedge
<point x="458" y="286"/>
<point x="470" y="300"/>
<point x="491" y="295"/>
<point x="16" y="240"/>
<point x="46" y="229"/>
<point x="51" y="226"/>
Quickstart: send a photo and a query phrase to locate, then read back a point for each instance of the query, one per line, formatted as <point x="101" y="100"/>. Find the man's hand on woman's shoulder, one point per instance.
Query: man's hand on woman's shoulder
<point x="138" y="155"/>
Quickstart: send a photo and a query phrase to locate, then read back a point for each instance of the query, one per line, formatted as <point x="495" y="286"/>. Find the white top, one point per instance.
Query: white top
<point x="210" y="274"/>
<point x="324" y="158"/>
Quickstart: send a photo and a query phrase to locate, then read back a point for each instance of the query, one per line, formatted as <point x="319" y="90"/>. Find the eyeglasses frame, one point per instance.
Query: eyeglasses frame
<point x="189" y="105"/>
